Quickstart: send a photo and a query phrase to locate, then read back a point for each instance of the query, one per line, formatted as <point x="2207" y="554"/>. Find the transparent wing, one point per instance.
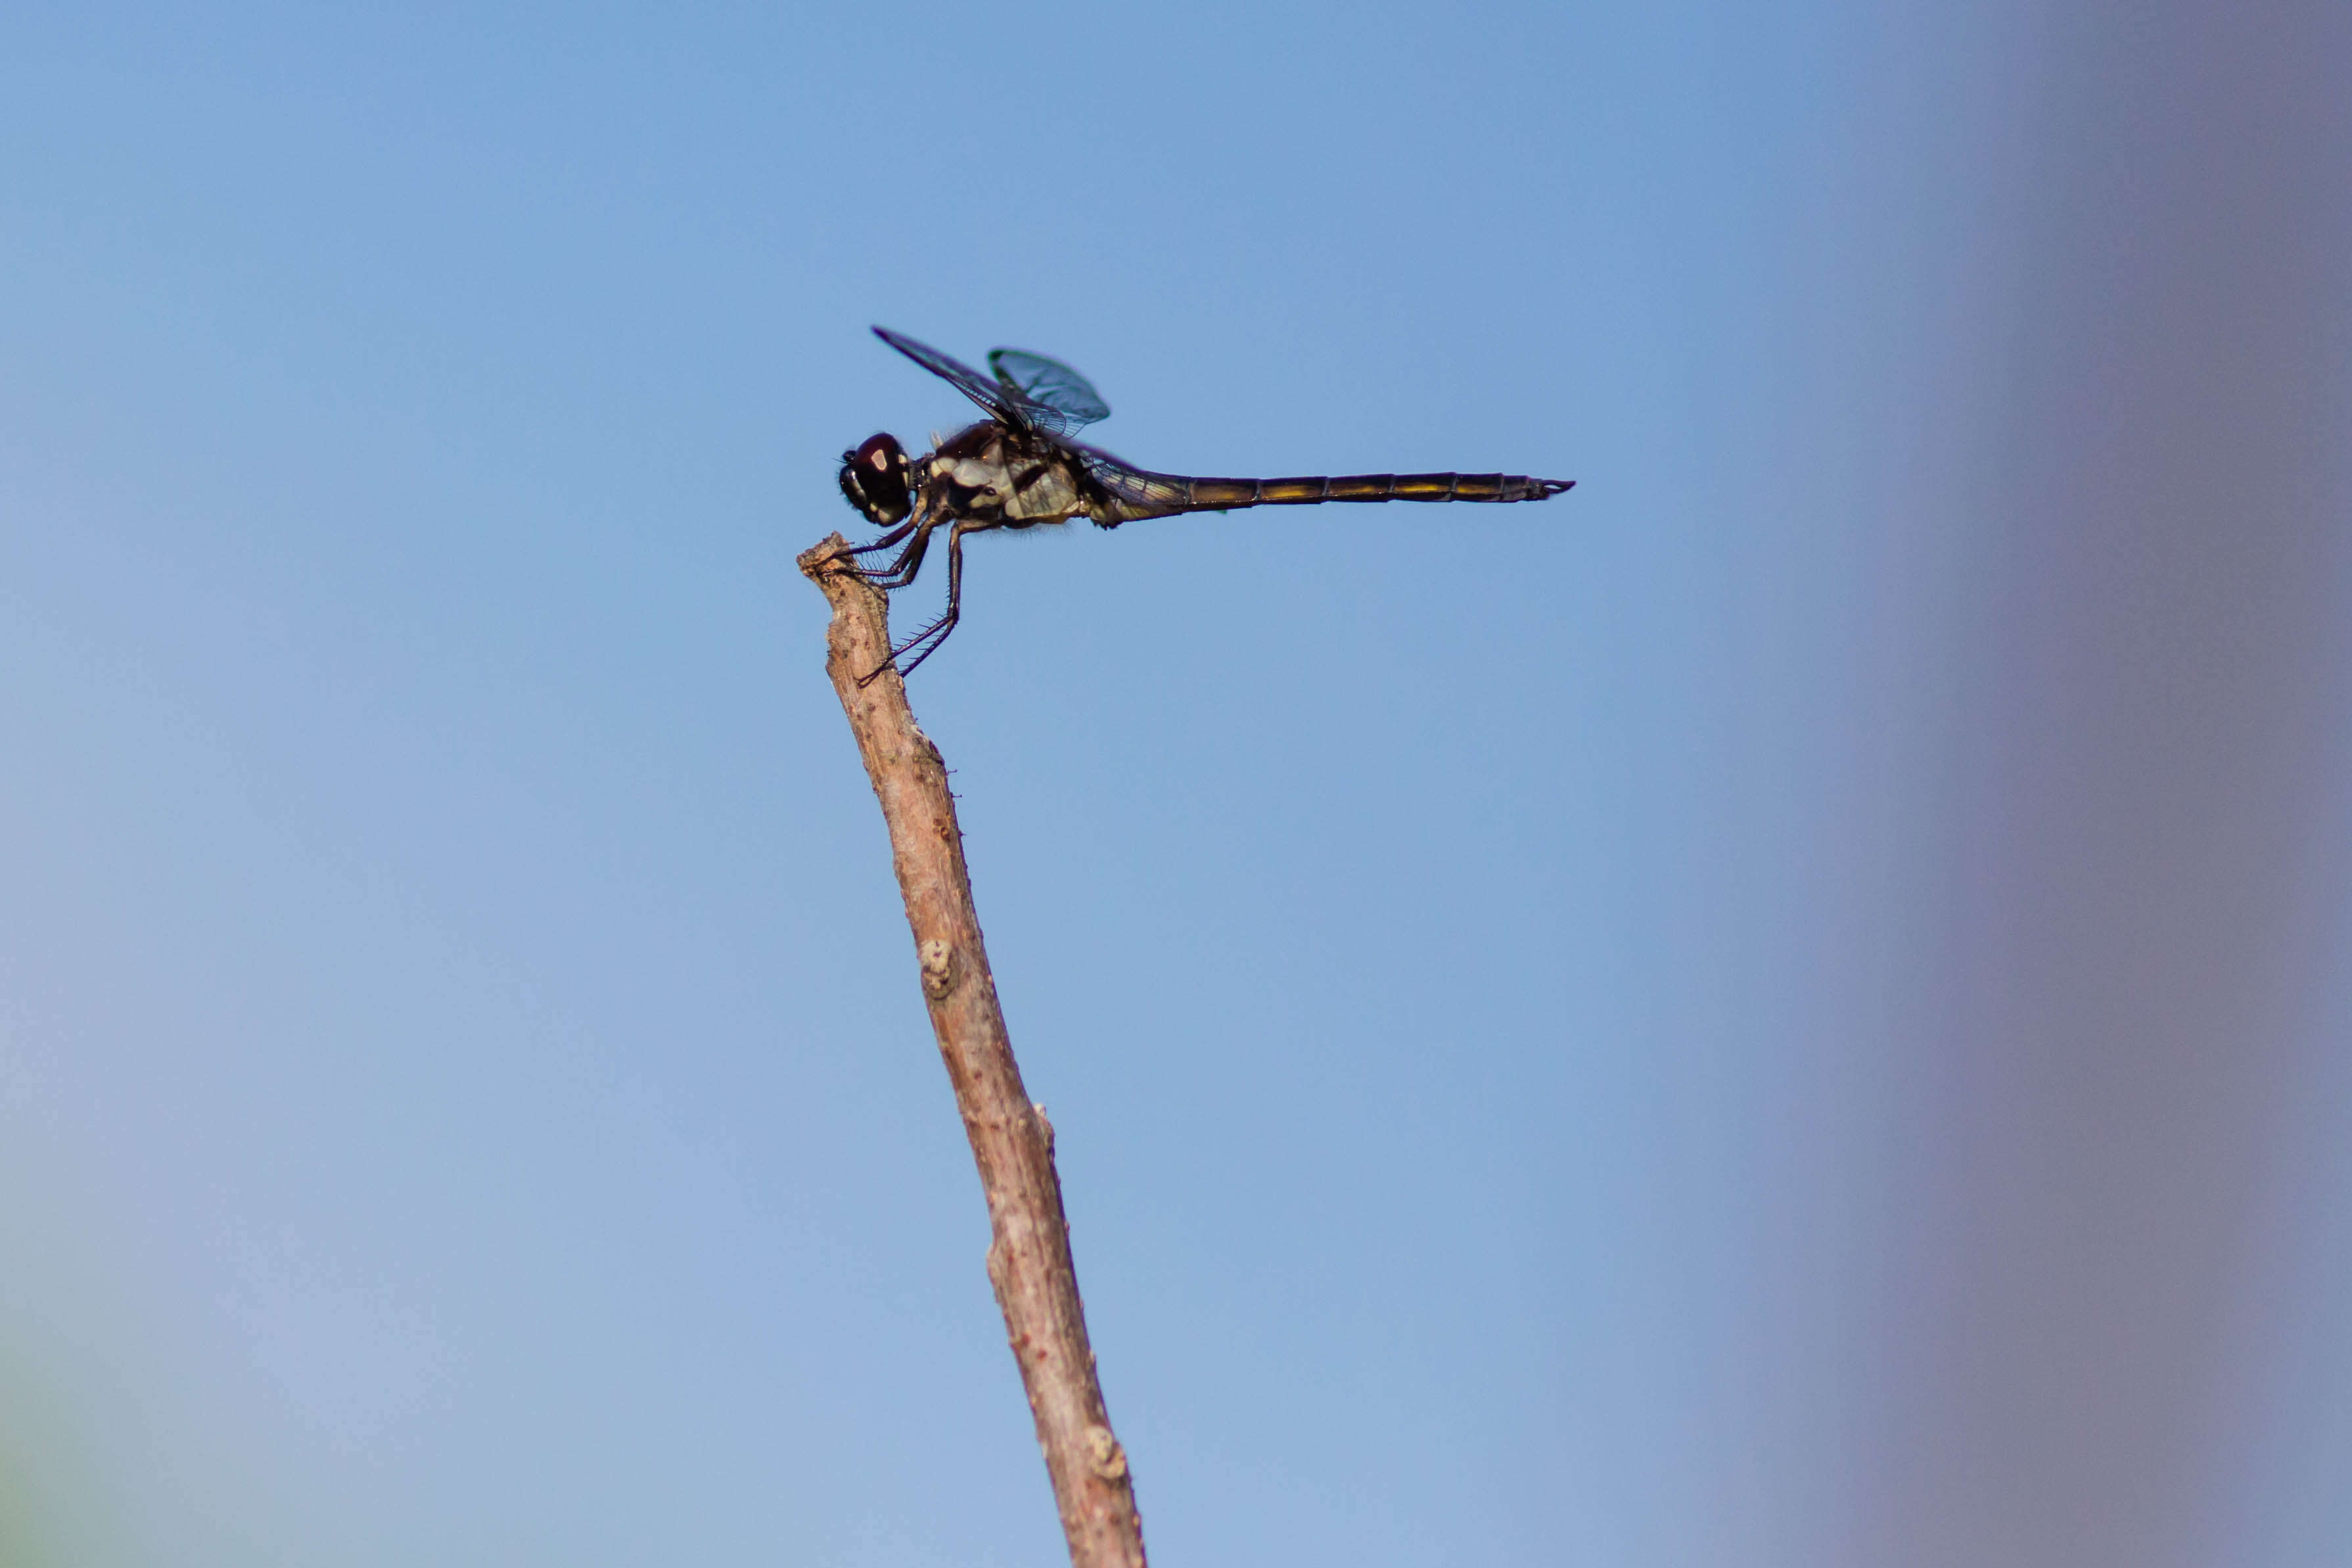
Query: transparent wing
<point x="1004" y="401"/>
<point x="1048" y="383"/>
<point x="1134" y="492"/>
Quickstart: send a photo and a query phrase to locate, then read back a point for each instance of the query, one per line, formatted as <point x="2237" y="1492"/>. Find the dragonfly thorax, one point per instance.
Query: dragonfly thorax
<point x="994" y="479"/>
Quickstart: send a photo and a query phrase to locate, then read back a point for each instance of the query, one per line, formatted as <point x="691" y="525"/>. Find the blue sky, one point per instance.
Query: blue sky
<point x="1784" y="1007"/>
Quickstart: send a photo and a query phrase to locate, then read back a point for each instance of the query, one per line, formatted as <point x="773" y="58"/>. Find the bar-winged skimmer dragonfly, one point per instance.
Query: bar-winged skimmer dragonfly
<point x="1022" y="467"/>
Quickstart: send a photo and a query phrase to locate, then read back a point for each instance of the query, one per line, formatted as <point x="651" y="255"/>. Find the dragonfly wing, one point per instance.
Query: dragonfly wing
<point x="1004" y="402"/>
<point x="1049" y="385"/>
<point x="1134" y="493"/>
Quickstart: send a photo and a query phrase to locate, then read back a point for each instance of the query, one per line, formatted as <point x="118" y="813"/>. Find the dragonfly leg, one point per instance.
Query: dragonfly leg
<point x="928" y="639"/>
<point x="850" y="552"/>
<point x="910" y="561"/>
<point x="900" y="570"/>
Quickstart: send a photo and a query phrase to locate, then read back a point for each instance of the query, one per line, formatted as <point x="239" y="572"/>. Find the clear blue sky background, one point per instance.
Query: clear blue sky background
<point x="1786" y="1008"/>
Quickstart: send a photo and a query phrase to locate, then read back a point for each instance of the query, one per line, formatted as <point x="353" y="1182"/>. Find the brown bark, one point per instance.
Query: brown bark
<point x="1011" y="1142"/>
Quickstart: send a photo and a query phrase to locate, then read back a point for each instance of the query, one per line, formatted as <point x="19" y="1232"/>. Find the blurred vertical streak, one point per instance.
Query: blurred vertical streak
<point x="2147" y="850"/>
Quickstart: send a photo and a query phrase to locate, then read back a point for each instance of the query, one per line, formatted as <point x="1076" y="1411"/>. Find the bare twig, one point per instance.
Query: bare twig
<point x="1029" y="1250"/>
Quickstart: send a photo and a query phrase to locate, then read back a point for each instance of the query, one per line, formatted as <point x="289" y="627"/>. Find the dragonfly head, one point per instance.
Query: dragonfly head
<point x="874" y="477"/>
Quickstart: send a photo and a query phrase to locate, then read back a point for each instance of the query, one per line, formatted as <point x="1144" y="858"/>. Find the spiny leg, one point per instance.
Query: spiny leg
<point x="929" y="638"/>
<point x="933" y="635"/>
<point x="901" y="572"/>
<point x="849" y="551"/>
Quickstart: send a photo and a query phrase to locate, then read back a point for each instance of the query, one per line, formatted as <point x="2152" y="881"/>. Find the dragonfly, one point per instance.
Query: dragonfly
<point x="1023" y="467"/>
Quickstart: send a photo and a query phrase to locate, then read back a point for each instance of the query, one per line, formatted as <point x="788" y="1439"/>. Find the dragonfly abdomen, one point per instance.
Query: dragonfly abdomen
<point x="1206" y="495"/>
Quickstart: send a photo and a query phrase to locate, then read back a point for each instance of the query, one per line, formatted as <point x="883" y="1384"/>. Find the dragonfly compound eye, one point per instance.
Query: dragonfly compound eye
<point x="874" y="479"/>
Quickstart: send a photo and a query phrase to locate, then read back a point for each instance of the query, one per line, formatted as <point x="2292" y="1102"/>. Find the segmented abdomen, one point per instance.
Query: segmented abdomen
<point x="1372" y="487"/>
<point x="1142" y="495"/>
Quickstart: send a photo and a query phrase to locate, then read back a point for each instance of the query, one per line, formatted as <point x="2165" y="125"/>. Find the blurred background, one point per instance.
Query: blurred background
<point x="1788" y="1007"/>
